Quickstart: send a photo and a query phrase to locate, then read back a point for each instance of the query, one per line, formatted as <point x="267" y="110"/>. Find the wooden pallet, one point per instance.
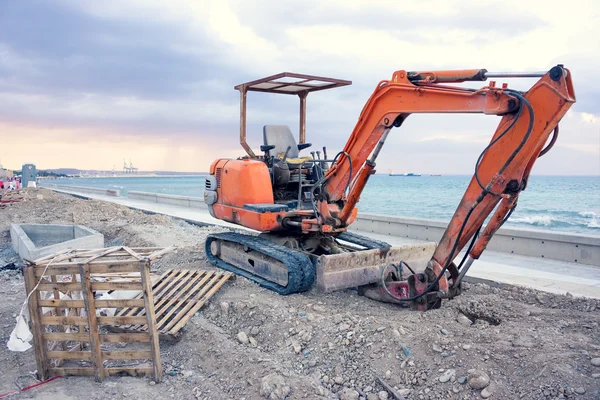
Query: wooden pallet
<point x="71" y="333"/>
<point x="178" y="294"/>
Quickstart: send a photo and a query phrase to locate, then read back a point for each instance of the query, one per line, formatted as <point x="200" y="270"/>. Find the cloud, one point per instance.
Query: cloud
<point x="115" y="71"/>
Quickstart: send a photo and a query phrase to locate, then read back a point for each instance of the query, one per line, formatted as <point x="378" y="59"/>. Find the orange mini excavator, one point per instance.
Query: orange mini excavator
<point x="302" y="206"/>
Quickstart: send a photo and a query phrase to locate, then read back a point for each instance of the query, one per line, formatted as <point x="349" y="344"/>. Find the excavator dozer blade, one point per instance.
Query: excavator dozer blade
<point x="353" y="269"/>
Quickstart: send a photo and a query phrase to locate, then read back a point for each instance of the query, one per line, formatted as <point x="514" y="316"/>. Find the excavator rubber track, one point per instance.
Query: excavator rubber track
<point x="300" y="269"/>
<point x="363" y="241"/>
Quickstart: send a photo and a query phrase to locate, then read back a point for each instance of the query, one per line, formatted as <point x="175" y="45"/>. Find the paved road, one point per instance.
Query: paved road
<point x="542" y="274"/>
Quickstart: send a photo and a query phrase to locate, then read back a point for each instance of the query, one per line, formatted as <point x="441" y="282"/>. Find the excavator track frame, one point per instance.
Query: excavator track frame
<point x="363" y="241"/>
<point x="301" y="271"/>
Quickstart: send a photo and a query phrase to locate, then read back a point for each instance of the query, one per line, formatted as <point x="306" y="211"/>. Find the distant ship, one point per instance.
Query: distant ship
<point x="408" y="174"/>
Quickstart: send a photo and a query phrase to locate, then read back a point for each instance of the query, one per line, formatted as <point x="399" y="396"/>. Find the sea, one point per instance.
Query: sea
<point x="551" y="203"/>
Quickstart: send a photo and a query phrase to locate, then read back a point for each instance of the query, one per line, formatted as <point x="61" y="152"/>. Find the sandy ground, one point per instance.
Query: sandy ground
<point x="249" y="343"/>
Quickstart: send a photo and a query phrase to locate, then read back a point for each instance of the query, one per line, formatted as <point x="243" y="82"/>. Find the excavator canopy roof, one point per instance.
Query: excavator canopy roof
<point x="291" y="83"/>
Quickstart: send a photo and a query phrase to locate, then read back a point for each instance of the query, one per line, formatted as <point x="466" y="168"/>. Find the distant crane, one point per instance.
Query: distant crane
<point x="132" y="169"/>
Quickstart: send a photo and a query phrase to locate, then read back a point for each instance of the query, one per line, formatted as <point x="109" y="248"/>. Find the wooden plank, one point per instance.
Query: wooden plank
<point x="134" y="285"/>
<point x="113" y="303"/>
<point x="90" y="308"/>
<point x="152" y="328"/>
<point x="36" y="327"/>
<point x="64" y="320"/>
<point x="133" y="371"/>
<point x="66" y="337"/>
<point x="70" y="355"/>
<point x="131" y="253"/>
<point x="180" y="301"/>
<point x="157" y="286"/>
<point x="160" y="253"/>
<point x="62" y="303"/>
<point x="62" y="286"/>
<point x="126" y="337"/>
<point x="79" y="371"/>
<point x="128" y="355"/>
<point x="204" y="289"/>
<point x="183" y="317"/>
<point x="121" y="320"/>
<point x="116" y="303"/>
<point x="104" y="253"/>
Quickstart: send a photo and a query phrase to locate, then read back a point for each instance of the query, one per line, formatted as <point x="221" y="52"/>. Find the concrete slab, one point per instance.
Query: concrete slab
<point x="33" y="241"/>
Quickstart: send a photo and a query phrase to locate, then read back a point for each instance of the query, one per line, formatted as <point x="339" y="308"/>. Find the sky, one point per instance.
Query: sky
<point x="87" y="84"/>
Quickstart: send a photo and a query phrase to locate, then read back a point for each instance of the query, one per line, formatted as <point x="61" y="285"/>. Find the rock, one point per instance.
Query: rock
<point x="224" y="307"/>
<point x="466" y="346"/>
<point x="446" y="376"/>
<point x="444" y="332"/>
<point x="580" y="390"/>
<point x="318" y="308"/>
<point x="596" y="362"/>
<point x="348" y="394"/>
<point x="403" y="392"/>
<point x="255" y="331"/>
<point x="151" y="383"/>
<point x="436" y="348"/>
<point x="595" y="376"/>
<point x="372" y="396"/>
<point x="485" y="393"/>
<point x="296" y="346"/>
<point x="478" y="379"/>
<point x="339" y="380"/>
<point x="383" y="395"/>
<point x="381" y="328"/>
<point x="273" y="387"/>
<point x="253" y="341"/>
<point x="312" y="363"/>
<point x="463" y="320"/>
<point x="462" y="379"/>
<point x="242" y="337"/>
<point x="388" y="374"/>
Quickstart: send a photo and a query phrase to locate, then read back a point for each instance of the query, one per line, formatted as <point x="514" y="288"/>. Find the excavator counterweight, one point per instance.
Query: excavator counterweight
<point x="302" y="206"/>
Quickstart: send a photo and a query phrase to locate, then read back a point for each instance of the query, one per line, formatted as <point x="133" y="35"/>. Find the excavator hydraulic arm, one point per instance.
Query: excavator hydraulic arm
<point x="501" y="172"/>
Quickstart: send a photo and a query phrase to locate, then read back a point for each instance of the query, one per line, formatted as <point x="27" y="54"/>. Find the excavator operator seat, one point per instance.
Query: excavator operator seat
<point x="281" y="137"/>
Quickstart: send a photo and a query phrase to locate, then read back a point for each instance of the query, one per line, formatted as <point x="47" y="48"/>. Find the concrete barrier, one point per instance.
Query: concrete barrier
<point x="181" y="201"/>
<point x="584" y="249"/>
<point x="82" y="189"/>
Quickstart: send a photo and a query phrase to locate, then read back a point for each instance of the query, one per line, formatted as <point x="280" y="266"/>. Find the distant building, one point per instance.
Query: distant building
<point x="5" y="173"/>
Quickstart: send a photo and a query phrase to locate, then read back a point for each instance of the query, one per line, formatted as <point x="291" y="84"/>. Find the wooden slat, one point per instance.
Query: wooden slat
<point x="98" y="267"/>
<point x="62" y="286"/>
<point x="126" y="337"/>
<point x="184" y="317"/>
<point x="127" y="355"/>
<point x="70" y="355"/>
<point x="117" y="285"/>
<point x="113" y="303"/>
<point x="66" y="337"/>
<point x="189" y="295"/>
<point x="37" y="330"/>
<point x="79" y="371"/>
<point x="133" y="371"/>
<point x="90" y="308"/>
<point x="121" y="320"/>
<point x="131" y="253"/>
<point x="64" y="320"/>
<point x="152" y="328"/>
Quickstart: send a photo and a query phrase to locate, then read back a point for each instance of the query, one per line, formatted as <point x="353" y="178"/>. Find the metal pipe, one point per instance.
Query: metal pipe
<point x="243" y="141"/>
<point x="537" y="74"/>
<point x="379" y="145"/>
<point x="302" y="132"/>
<point x="463" y="271"/>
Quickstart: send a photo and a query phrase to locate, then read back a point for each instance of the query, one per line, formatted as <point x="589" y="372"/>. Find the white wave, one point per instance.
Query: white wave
<point x="589" y="214"/>
<point x="594" y="223"/>
<point x="543" y="220"/>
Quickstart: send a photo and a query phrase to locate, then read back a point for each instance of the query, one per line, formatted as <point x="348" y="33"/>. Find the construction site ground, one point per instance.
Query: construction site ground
<point x="249" y="343"/>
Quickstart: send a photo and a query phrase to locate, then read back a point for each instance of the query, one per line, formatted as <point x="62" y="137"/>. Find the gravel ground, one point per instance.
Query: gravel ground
<point x="249" y="343"/>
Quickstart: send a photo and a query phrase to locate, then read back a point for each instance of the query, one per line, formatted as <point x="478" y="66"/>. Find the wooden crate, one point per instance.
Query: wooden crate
<point x="178" y="294"/>
<point x="69" y="336"/>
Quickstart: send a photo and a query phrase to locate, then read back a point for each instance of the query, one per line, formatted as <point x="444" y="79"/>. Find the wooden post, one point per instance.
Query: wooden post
<point x="90" y="308"/>
<point x="35" y="322"/>
<point x="149" y="303"/>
